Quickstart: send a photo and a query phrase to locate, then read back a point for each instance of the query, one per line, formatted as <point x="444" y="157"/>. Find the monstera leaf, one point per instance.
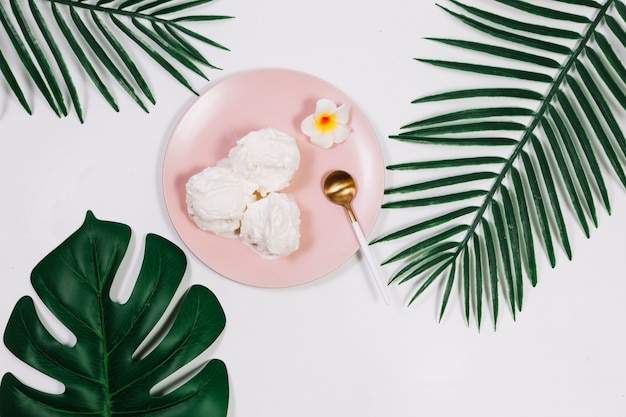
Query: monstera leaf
<point x="56" y="41"/>
<point x="528" y="152"/>
<point x="100" y="373"/>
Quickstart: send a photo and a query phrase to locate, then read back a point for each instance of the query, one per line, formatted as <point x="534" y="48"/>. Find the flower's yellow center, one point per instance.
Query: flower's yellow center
<point x="325" y="122"/>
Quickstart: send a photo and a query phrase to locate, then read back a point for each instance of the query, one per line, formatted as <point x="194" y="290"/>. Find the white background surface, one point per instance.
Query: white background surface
<point x="329" y="348"/>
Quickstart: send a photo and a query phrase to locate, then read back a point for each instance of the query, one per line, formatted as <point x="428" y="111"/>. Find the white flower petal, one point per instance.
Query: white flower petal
<point x="323" y="141"/>
<point x="309" y="127"/>
<point x="324" y="106"/>
<point x="342" y="114"/>
<point x="341" y="133"/>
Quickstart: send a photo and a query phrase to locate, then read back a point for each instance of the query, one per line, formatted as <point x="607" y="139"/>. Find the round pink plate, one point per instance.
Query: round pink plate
<point x="280" y="99"/>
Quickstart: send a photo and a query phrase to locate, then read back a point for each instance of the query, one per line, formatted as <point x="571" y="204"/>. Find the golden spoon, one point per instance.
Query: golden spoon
<point x="340" y="188"/>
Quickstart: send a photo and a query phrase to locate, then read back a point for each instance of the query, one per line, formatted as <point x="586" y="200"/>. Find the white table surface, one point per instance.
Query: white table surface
<point x="331" y="347"/>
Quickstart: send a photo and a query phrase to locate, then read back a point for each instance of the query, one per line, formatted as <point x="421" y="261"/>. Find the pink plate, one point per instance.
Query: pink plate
<point x="280" y="99"/>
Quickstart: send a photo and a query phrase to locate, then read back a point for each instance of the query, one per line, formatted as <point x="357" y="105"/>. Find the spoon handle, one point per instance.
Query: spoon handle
<point x="365" y="250"/>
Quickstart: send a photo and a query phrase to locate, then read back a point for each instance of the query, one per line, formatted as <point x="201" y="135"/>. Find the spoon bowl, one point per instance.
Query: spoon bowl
<point x="340" y="188"/>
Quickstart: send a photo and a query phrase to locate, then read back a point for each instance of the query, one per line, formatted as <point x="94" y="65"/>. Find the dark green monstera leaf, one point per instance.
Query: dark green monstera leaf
<point x="99" y="372"/>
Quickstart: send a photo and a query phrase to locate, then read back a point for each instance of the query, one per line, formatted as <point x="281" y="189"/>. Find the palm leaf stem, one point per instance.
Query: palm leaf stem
<point x="165" y="28"/>
<point x="540" y="114"/>
<point x="518" y="150"/>
<point x="122" y="12"/>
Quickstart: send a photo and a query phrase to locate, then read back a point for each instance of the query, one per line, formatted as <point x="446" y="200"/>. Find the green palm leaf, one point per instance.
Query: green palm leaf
<point x="545" y="149"/>
<point x="108" y="371"/>
<point x="100" y="36"/>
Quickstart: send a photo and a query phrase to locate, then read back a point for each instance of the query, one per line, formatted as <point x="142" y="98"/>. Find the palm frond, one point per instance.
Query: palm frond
<point x="54" y="41"/>
<point x="545" y="149"/>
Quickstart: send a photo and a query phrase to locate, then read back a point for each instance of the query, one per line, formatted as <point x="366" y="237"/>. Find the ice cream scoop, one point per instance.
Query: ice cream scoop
<point x="217" y="198"/>
<point x="267" y="157"/>
<point x="271" y="225"/>
<point x="340" y="188"/>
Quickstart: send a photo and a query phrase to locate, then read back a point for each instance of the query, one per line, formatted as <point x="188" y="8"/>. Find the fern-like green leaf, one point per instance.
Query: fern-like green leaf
<point x="103" y="38"/>
<point x="544" y="149"/>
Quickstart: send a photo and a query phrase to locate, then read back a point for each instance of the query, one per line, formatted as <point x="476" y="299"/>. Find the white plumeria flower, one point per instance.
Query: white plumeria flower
<point x="328" y="125"/>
